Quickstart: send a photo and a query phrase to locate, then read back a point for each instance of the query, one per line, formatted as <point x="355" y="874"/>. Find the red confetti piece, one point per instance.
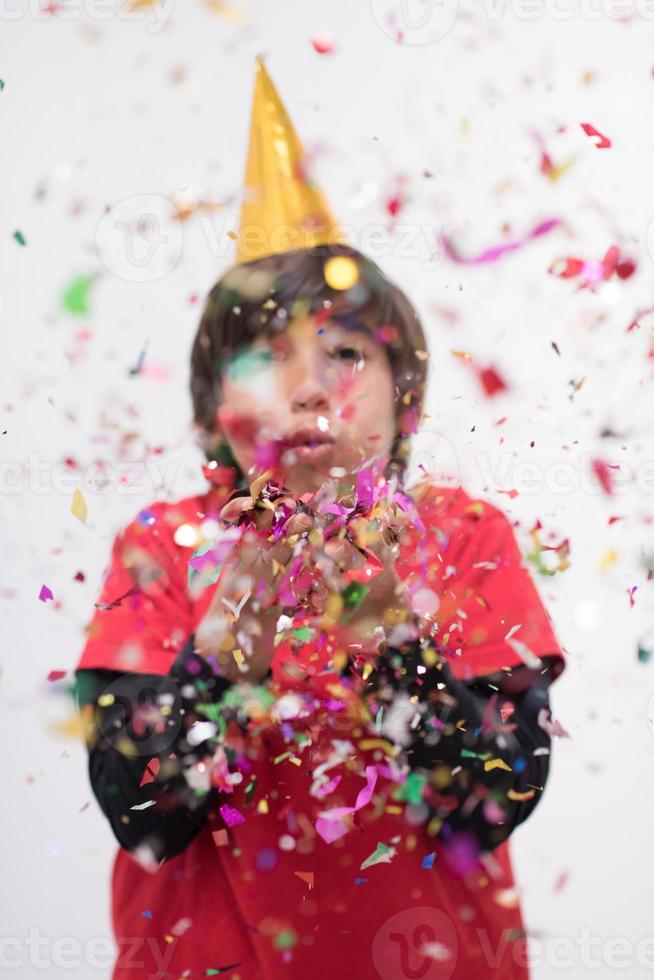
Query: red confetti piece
<point x="603" y="473"/>
<point x="151" y="772"/>
<point x="56" y="675"/>
<point x="220" y="837"/>
<point x="491" y="381"/>
<point x="601" y="142"/>
<point x="323" y="43"/>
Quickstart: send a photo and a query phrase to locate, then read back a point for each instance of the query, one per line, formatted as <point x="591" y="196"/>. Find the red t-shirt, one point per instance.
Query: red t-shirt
<point x="276" y="896"/>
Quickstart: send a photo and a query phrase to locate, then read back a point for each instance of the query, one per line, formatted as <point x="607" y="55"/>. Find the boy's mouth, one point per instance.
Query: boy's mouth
<point x="309" y="444"/>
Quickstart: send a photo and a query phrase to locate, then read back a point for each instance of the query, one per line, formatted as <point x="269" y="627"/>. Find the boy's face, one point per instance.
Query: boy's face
<point x="311" y="403"/>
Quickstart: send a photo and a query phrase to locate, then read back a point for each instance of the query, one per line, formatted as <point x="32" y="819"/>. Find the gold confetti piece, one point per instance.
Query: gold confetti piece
<point x="520" y="797"/>
<point x="497" y="764"/>
<point x="78" y="507"/>
<point x="105" y="700"/>
<point x="238" y="657"/>
<point x="341" y="272"/>
<point x="262" y="806"/>
<point x="608" y="559"/>
<point x="461" y="353"/>
<point x="378" y="743"/>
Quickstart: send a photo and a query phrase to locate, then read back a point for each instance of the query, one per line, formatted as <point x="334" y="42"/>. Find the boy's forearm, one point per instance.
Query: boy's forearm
<point x="127" y="771"/>
<point x="485" y="775"/>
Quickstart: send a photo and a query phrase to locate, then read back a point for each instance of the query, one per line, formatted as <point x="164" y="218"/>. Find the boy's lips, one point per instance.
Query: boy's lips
<point x="309" y="444"/>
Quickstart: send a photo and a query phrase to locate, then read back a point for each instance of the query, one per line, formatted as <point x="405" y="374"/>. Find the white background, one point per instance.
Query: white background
<point x="103" y="108"/>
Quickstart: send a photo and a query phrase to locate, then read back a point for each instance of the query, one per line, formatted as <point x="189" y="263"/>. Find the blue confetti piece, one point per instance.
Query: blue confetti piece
<point x="147" y="914"/>
<point x="360" y="881"/>
<point x="428" y="861"/>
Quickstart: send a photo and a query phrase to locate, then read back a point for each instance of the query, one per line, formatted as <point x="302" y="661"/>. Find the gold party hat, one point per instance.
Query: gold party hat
<point x="283" y="209"/>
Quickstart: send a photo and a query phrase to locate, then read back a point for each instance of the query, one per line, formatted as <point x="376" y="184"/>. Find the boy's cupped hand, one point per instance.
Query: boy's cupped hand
<point x="317" y="568"/>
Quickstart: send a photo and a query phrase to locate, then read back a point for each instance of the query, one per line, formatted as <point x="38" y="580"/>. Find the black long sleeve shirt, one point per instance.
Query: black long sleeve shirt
<point x="456" y="732"/>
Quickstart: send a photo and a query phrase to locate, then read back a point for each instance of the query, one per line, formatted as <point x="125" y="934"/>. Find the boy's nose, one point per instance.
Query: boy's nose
<point x="310" y="396"/>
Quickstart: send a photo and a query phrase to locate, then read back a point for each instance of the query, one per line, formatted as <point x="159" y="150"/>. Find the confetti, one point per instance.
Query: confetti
<point x="341" y="273"/>
<point x="600" y="141"/>
<point x="383" y="854"/>
<point x="231" y="815"/>
<point x="75" y="299"/>
<point x="45" y="594"/>
<point x="496" y="252"/>
<point x="323" y="43"/>
<point x="78" y="506"/>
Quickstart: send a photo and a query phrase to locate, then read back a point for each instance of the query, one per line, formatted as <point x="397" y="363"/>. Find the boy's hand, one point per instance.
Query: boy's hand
<point x="365" y="556"/>
<point x="239" y="626"/>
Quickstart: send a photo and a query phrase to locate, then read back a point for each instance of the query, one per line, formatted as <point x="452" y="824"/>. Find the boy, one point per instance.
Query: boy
<point x="316" y="702"/>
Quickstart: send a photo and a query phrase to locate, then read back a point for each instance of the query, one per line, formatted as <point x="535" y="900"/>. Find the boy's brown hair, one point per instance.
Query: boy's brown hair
<point x="262" y="297"/>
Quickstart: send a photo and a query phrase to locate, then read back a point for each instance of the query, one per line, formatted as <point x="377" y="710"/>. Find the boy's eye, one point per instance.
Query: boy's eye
<point x="348" y="354"/>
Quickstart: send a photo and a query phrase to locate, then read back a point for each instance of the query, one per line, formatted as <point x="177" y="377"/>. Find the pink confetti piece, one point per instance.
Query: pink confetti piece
<point x="328" y="788"/>
<point x="330" y="824"/>
<point x="231" y="815"/>
<point x="45" y="594"/>
<point x="601" y="142"/>
<point x="496" y="252"/>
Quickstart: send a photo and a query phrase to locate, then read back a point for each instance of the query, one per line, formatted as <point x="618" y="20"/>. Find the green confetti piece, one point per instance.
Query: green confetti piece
<point x="75" y="299"/>
<point x="303" y="633"/>
<point x="354" y="594"/>
<point x="244" y="364"/>
<point x="383" y="854"/>
<point x="2" y="84"/>
<point x="20" y="238"/>
<point x="535" y="558"/>
<point x="285" y="939"/>
<point x="413" y="787"/>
